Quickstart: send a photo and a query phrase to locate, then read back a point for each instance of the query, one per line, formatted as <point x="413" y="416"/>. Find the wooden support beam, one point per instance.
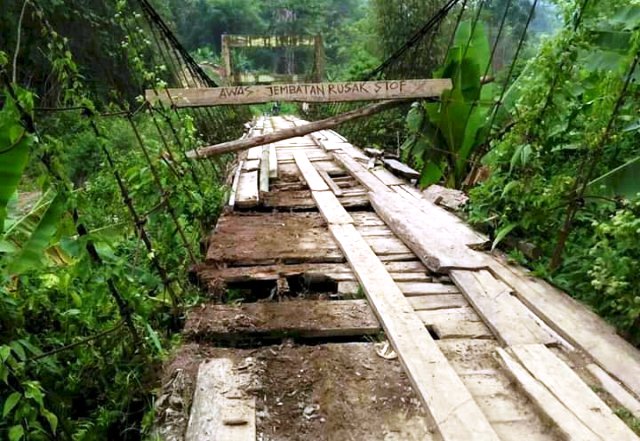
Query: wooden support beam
<point x="246" y="143"/>
<point x="308" y="93"/>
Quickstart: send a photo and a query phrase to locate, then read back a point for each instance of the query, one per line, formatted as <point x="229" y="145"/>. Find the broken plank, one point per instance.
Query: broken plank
<point x="446" y="399"/>
<point x="434" y="244"/>
<point x="567" y="386"/>
<point x="401" y="169"/>
<point x="221" y="410"/>
<point x="301" y="318"/>
<point x="360" y="172"/>
<point x="566" y="421"/>
<point x="493" y="302"/>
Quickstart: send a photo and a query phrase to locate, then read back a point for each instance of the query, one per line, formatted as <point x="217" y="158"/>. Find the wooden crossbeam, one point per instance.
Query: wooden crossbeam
<point x="310" y="93"/>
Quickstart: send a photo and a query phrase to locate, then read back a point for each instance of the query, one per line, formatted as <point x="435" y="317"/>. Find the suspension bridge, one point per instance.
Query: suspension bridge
<point x="342" y="302"/>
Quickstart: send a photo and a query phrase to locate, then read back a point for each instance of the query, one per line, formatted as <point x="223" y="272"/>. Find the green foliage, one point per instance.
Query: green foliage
<point x="563" y="138"/>
<point x="444" y="135"/>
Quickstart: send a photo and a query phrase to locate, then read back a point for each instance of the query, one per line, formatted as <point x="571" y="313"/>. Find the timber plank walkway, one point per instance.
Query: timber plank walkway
<point x="322" y="253"/>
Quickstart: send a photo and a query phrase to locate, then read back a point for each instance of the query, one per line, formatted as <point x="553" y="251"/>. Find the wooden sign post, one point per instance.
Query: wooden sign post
<point x="309" y="93"/>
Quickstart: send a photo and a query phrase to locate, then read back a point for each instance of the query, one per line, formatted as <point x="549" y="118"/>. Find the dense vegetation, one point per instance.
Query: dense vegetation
<point x="88" y="309"/>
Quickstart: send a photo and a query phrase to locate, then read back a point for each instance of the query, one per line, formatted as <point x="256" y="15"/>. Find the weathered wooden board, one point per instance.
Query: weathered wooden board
<point x="327" y="179"/>
<point x="572" y="392"/>
<point x="331" y="208"/>
<point x="613" y="388"/>
<point x="248" y="195"/>
<point x="273" y="162"/>
<point x="452" y="409"/>
<point x="309" y="173"/>
<point x="220" y="409"/>
<point x="433" y="242"/>
<point x="411" y="289"/>
<point x="576" y="323"/>
<point x="568" y="424"/>
<point x="493" y="301"/>
<point x="310" y="93"/>
<point x="272" y="238"/>
<point x="302" y="318"/>
<point x="437" y="301"/>
<point x="234" y="185"/>
<point x="401" y="169"/>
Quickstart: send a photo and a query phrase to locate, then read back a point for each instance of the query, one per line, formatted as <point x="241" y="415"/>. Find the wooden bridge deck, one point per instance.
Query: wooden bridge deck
<point x="322" y="254"/>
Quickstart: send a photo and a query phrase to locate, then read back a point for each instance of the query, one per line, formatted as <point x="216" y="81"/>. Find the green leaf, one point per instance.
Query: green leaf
<point x="10" y="403"/>
<point x="154" y="337"/>
<point x="33" y="251"/>
<point x="502" y="233"/>
<point x="51" y="418"/>
<point x="16" y="433"/>
<point x="431" y="174"/>
<point x="19" y="350"/>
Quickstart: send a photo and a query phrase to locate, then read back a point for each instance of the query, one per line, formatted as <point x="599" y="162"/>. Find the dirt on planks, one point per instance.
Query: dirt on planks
<point x="327" y="392"/>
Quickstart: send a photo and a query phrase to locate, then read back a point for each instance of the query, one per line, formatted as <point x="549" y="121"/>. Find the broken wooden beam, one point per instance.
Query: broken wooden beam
<point x="398" y="168"/>
<point x="254" y="141"/>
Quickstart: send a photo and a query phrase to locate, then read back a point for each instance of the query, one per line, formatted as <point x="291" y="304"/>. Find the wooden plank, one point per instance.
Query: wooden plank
<point x="248" y="195"/>
<point x="221" y="410"/>
<point x="310" y="174"/>
<point x="358" y="171"/>
<point x="327" y="179"/>
<point x="254" y="153"/>
<point x="411" y="289"/>
<point x="386" y="177"/>
<point x="576" y="323"/>
<point x="267" y="41"/>
<point x="566" y="421"/>
<point x="438" y="301"/>
<point x="433" y="242"/>
<point x="251" y="165"/>
<point x="234" y="186"/>
<point x="613" y="388"/>
<point x="273" y="162"/>
<point x="264" y="170"/>
<point x="567" y="386"/>
<point x="309" y="93"/>
<point x="310" y="271"/>
<point x="401" y="169"/>
<point x="493" y="302"/>
<point x="301" y="318"/>
<point x="331" y="208"/>
<point x="446" y="399"/>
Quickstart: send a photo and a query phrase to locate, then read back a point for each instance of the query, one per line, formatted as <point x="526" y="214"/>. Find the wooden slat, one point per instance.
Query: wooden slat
<point x="220" y="409"/>
<point x="449" y="403"/>
<point x="387" y="177"/>
<point x="248" y="195"/>
<point x="310" y="93"/>
<point x="302" y="318"/>
<point x="234" y="186"/>
<point x="411" y="289"/>
<point x="358" y="171"/>
<point x="401" y="169"/>
<point x="493" y="301"/>
<point x="331" y="208"/>
<point x="568" y="424"/>
<point x="576" y="323"/>
<point x="273" y="162"/>
<point x="254" y="153"/>
<point x="613" y="388"/>
<point x="264" y="170"/>
<point x="567" y="386"/>
<point x="327" y="179"/>
<point x="438" y="301"/>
